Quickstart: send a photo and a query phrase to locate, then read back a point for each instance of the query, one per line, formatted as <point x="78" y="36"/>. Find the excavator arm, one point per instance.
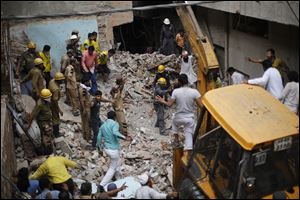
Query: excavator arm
<point x="202" y="48"/>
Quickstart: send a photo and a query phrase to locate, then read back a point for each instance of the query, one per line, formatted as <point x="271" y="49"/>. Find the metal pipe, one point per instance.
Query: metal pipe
<point x="142" y="8"/>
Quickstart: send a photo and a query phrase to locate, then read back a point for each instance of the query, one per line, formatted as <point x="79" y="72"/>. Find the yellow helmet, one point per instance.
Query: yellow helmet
<point x="162" y="81"/>
<point x="45" y="93"/>
<point x="161" y="68"/>
<point x="59" y="76"/>
<point x="38" y="61"/>
<point x="31" y="45"/>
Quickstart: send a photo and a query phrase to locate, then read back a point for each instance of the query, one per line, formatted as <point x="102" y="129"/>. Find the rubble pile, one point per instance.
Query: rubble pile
<point x="149" y="151"/>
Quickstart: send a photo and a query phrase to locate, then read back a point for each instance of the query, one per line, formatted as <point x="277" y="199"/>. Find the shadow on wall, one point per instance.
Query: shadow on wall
<point x="54" y="32"/>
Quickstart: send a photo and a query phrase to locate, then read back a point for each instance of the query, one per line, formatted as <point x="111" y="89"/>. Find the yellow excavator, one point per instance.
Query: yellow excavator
<point x="246" y="142"/>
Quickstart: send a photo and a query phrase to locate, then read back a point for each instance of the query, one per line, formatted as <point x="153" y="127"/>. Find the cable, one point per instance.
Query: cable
<point x="292" y="10"/>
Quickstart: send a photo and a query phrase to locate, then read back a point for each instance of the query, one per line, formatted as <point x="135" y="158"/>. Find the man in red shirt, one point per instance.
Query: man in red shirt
<point x="88" y="62"/>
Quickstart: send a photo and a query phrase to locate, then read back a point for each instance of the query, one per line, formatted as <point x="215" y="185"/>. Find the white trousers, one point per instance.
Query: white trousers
<point x="188" y="127"/>
<point x="114" y="167"/>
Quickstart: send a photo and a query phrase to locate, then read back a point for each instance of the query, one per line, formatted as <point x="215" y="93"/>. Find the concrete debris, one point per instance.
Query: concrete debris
<point x="148" y="152"/>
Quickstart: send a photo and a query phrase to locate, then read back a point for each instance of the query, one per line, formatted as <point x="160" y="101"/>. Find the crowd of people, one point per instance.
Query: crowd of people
<point x="78" y="73"/>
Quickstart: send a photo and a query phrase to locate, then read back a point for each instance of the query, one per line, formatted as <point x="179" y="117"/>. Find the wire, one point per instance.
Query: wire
<point x="292" y="10"/>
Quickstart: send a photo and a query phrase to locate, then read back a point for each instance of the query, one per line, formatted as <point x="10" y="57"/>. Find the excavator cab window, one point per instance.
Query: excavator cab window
<point x="225" y="166"/>
<point x="270" y="169"/>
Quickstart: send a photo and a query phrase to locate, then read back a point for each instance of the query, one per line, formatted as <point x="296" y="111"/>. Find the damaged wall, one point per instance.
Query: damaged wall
<point x="56" y="30"/>
<point x="275" y="11"/>
<point x="8" y="157"/>
<point x="283" y="38"/>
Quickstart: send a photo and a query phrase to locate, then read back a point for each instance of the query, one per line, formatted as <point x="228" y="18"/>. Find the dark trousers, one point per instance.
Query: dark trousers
<point x="92" y="77"/>
<point x="95" y="125"/>
<point x="70" y="184"/>
<point x="56" y="130"/>
<point x="160" y="122"/>
<point x="47" y="77"/>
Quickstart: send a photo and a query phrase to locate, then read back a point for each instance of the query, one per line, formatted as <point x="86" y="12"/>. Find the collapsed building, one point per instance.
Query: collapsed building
<point x="241" y="30"/>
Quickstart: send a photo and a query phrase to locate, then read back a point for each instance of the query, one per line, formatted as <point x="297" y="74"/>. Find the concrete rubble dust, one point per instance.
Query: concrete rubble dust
<point x="148" y="152"/>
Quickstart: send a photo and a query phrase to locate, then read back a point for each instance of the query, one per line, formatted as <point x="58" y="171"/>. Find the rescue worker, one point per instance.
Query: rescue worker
<point x="45" y="55"/>
<point x="43" y="115"/>
<point x="90" y="42"/>
<point x="180" y="40"/>
<point x="167" y="35"/>
<point x="160" y="90"/>
<point x="71" y="89"/>
<point x="118" y="105"/>
<point x="187" y="68"/>
<point x="162" y="73"/>
<point x="290" y="93"/>
<point x="185" y="99"/>
<point x="64" y="62"/>
<point x="54" y="87"/>
<point x="85" y="108"/>
<point x="55" y="169"/>
<point x="235" y="76"/>
<point x="147" y="191"/>
<point x="102" y="67"/>
<point x="278" y="63"/>
<point x="271" y="79"/>
<point x="36" y="77"/>
<point x="95" y="115"/>
<point x="95" y="38"/>
<point x="109" y="132"/>
<point x="25" y="64"/>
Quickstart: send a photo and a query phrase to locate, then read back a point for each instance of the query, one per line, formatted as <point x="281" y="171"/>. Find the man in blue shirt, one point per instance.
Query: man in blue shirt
<point x="109" y="132"/>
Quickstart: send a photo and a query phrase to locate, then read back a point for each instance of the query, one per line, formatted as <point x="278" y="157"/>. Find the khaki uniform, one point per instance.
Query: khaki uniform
<point x="119" y="109"/>
<point x="55" y="90"/>
<point x="43" y="115"/>
<point x="85" y="113"/>
<point x="36" y="76"/>
<point x="71" y="87"/>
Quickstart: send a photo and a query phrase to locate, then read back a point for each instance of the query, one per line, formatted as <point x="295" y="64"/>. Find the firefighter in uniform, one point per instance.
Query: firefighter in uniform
<point x="54" y="87"/>
<point x="118" y="105"/>
<point x="43" y="115"/>
<point x="85" y="108"/>
<point x="36" y="77"/>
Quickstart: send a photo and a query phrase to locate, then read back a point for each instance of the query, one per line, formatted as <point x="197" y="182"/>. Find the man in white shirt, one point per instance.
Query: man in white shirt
<point x="271" y="79"/>
<point x="236" y="77"/>
<point x="147" y="192"/>
<point x="290" y="94"/>
<point x="185" y="98"/>
<point x="187" y="68"/>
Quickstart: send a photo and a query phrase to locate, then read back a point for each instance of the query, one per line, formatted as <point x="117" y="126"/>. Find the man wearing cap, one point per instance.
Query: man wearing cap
<point x="167" y="38"/>
<point x="36" y="77"/>
<point x="147" y="192"/>
<point x="25" y="64"/>
<point x="187" y="68"/>
<point x="43" y="115"/>
<point x="54" y="87"/>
